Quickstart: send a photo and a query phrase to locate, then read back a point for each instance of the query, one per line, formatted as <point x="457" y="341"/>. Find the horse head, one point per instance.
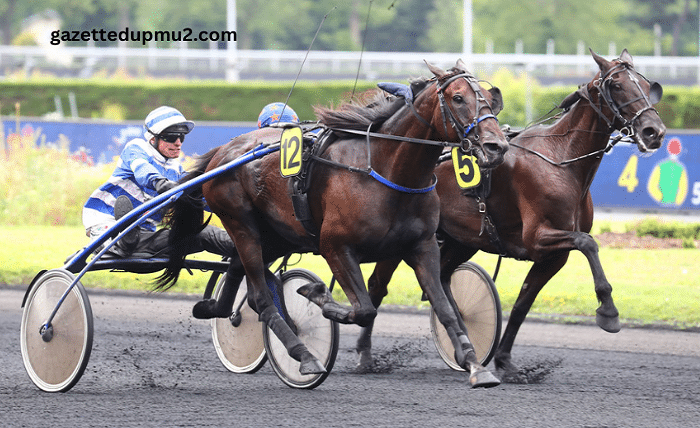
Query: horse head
<point x="471" y="111"/>
<point x="631" y="98"/>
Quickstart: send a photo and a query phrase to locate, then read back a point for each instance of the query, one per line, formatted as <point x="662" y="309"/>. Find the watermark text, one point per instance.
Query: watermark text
<point x="146" y="36"/>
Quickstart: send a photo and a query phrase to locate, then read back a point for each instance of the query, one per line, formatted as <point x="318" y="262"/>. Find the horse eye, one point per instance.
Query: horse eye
<point x="458" y="98"/>
<point x="616" y="86"/>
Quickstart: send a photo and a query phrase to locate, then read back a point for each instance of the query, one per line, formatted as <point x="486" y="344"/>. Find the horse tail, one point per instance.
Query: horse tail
<point x="185" y="219"/>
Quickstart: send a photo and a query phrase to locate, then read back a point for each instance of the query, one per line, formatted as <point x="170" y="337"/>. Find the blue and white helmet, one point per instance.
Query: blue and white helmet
<point x="272" y="113"/>
<point x="162" y="118"/>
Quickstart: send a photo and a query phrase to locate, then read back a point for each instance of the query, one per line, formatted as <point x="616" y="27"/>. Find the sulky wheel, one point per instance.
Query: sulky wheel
<point x="56" y="360"/>
<point x="238" y="339"/>
<point x="319" y="334"/>
<point x="480" y="308"/>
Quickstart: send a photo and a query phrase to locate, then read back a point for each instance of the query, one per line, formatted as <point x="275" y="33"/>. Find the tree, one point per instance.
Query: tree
<point x="595" y="22"/>
<point x="394" y="25"/>
<point x="675" y="18"/>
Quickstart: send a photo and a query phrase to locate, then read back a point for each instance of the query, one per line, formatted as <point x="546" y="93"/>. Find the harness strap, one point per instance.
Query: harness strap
<point x="372" y="173"/>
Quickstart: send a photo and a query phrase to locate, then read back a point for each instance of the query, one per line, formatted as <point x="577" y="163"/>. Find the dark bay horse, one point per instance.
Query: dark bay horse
<point x="540" y="204"/>
<point x="371" y="198"/>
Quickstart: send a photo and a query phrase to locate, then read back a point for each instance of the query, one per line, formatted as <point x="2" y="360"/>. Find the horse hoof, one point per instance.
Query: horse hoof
<point x="316" y="292"/>
<point x="609" y="324"/>
<point x="483" y="378"/>
<point x="311" y="366"/>
<point x="206" y="309"/>
<point x="366" y="361"/>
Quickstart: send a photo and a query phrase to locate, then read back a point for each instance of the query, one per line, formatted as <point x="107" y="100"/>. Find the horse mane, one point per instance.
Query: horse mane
<point x="373" y="107"/>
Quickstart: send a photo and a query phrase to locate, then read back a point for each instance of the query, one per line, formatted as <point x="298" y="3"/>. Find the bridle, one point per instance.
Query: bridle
<point x="462" y="131"/>
<point x="603" y="84"/>
<point x="627" y="132"/>
<point x="447" y="112"/>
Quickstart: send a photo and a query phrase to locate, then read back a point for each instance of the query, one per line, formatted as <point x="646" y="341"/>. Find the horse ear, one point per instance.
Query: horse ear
<point x="655" y="92"/>
<point x="496" y="100"/>
<point x="602" y="62"/>
<point x="437" y="71"/>
<point x="461" y="65"/>
<point x="626" y="57"/>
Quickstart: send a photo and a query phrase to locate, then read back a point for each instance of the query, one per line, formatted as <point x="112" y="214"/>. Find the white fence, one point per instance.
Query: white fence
<point x="272" y="64"/>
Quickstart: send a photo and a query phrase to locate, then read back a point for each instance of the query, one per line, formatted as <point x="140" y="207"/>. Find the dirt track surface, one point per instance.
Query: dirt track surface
<point x="152" y="364"/>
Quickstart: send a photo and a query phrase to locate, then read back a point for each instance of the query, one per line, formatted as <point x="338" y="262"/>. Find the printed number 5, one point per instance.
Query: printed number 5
<point x="628" y="178"/>
<point x="696" y="193"/>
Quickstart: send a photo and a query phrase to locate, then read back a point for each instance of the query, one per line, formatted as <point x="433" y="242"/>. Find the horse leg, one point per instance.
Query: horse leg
<point x="425" y="263"/>
<point x="453" y="254"/>
<point x="607" y="316"/>
<point x="222" y="308"/>
<point x="540" y="273"/>
<point x="377" y="288"/>
<point x="346" y="270"/>
<point x="260" y="300"/>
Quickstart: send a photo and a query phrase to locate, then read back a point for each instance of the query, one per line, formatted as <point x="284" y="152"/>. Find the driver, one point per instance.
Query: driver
<point x="146" y="168"/>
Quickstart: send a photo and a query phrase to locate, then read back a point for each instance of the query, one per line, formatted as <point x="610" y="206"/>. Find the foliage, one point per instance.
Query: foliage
<point x="661" y="229"/>
<point x="394" y="25"/>
<point x="222" y="101"/>
<point x="41" y="183"/>
<point x="210" y="100"/>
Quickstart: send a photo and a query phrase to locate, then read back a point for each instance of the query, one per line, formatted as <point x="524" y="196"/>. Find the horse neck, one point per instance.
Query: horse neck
<point x="581" y="132"/>
<point x="409" y="164"/>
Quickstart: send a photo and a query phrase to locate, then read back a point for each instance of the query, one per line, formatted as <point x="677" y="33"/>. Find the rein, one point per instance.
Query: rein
<point x="626" y="131"/>
<point x="371" y="172"/>
<point x="444" y="107"/>
<point x="608" y="147"/>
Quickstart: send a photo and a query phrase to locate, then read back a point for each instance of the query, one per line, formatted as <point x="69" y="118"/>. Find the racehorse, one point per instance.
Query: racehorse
<point x="371" y="197"/>
<point x="540" y="203"/>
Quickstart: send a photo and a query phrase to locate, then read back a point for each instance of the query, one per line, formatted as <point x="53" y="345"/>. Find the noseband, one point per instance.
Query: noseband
<point x="448" y="114"/>
<point x="603" y="85"/>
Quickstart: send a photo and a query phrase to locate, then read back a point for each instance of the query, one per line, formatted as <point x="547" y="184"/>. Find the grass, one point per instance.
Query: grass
<point x="649" y="286"/>
<point x="42" y="184"/>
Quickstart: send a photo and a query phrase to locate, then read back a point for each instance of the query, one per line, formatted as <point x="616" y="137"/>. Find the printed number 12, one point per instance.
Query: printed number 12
<point x="290" y="158"/>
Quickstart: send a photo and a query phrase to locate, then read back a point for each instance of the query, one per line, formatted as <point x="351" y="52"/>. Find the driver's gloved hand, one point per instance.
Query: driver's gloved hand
<point x="163" y="185"/>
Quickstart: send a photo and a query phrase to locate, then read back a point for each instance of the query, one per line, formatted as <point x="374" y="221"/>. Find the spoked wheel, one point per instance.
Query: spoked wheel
<point x="55" y="362"/>
<point x="479" y="306"/>
<point x="320" y="335"/>
<point x="238" y="339"/>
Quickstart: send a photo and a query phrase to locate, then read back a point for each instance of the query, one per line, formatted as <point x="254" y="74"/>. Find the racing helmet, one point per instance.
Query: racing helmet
<point x="163" y="118"/>
<point x="273" y="113"/>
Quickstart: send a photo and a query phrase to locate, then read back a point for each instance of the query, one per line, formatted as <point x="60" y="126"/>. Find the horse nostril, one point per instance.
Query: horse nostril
<point x="649" y="132"/>
<point x="495" y="147"/>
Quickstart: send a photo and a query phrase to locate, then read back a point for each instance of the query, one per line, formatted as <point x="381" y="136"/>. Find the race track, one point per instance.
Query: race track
<point x="153" y="365"/>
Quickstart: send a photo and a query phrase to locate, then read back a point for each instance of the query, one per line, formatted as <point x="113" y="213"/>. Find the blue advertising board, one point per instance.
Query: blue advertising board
<point x="100" y="142"/>
<point x="668" y="179"/>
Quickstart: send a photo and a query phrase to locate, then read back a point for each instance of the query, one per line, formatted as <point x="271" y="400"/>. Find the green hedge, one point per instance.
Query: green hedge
<point x="221" y="101"/>
<point x="201" y="101"/>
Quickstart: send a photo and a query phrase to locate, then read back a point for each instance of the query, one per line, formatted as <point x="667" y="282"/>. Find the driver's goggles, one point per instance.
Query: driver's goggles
<point x="171" y="138"/>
